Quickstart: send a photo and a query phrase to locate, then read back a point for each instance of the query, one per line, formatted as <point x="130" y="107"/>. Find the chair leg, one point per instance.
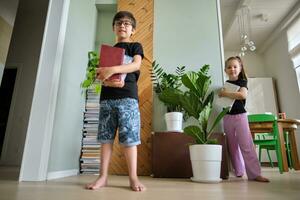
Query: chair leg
<point x="270" y="159"/>
<point x="279" y="158"/>
<point x="290" y="161"/>
<point x="288" y="150"/>
<point x="259" y="153"/>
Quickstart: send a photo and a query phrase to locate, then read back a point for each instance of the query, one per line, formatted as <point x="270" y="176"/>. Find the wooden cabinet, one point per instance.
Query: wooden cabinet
<point x="170" y="155"/>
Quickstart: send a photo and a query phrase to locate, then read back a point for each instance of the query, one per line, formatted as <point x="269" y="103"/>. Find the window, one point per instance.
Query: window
<point x="293" y="34"/>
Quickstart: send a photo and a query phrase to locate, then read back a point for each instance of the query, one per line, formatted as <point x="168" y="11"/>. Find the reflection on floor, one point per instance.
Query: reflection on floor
<point x="282" y="186"/>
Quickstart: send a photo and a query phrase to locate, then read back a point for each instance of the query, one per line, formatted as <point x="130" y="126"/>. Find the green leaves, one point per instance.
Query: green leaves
<point x="180" y="71"/>
<point x="189" y="80"/>
<point x="91" y="70"/>
<point x="170" y="97"/>
<point x="167" y="85"/>
<point x="190" y="104"/>
<point x="196" y="101"/>
<point x="196" y="98"/>
<point x="204" y="69"/>
<point x="194" y="132"/>
<point x="203" y="118"/>
<point x="218" y="119"/>
<point x="157" y="74"/>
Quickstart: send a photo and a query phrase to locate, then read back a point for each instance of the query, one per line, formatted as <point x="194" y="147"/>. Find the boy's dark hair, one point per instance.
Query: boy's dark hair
<point x="124" y="14"/>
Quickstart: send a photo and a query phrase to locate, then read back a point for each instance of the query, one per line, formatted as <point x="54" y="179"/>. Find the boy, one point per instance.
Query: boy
<point x="119" y="104"/>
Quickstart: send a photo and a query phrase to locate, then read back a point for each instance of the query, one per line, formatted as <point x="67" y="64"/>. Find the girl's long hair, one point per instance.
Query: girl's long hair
<point x="242" y="74"/>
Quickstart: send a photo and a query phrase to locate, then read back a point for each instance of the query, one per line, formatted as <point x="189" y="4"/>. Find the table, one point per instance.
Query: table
<point x="284" y="125"/>
<point x="290" y="126"/>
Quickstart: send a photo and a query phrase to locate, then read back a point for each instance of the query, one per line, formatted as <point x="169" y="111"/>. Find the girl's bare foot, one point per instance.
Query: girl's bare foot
<point x="100" y="182"/>
<point x="261" y="179"/>
<point x="136" y="185"/>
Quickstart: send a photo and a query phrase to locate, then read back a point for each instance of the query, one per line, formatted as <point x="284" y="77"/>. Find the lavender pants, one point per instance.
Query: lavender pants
<point x="240" y="143"/>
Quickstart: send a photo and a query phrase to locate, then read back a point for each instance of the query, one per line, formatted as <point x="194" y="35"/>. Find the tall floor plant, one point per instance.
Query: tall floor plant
<point x="197" y="102"/>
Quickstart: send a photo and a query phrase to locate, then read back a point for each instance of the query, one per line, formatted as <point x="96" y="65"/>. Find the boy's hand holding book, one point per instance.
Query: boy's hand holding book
<point x="110" y="59"/>
<point x="104" y="73"/>
<point x="114" y="83"/>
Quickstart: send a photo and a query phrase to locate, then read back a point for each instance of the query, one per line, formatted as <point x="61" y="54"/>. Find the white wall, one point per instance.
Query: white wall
<point x="279" y="66"/>
<point x="40" y="125"/>
<point x="105" y="34"/>
<point x="253" y="63"/>
<point x="186" y="33"/>
<point x="67" y="130"/>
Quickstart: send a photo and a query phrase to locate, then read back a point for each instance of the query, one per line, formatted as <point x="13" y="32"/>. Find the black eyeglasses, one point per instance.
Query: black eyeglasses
<point x="126" y="23"/>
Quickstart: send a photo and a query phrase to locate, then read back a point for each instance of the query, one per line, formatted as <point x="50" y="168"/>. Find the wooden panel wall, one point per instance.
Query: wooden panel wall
<point x="143" y="12"/>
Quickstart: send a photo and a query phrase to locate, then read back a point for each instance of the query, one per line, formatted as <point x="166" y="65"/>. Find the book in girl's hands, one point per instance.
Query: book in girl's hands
<point x="112" y="56"/>
<point x="225" y="101"/>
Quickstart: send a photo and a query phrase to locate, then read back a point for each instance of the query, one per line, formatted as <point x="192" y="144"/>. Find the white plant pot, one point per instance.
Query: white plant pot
<point x="206" y="162"/>
<point x="174" y="121"/>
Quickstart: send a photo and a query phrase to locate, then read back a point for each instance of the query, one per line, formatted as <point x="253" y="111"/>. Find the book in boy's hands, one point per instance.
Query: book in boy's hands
<point x="112" y="56"/>
<point x="225" y="101"/>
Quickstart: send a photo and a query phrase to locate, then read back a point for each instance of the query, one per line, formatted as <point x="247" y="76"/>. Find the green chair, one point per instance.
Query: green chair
<point x="288" y="150"/>
<point x="269" y="148"/>
<point x="269" y="139"/>
<point x="263" y="136"/>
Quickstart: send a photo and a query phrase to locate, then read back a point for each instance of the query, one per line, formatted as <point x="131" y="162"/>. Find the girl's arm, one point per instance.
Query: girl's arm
<point x="104" y="73"/>
<point x="240" y="94"/>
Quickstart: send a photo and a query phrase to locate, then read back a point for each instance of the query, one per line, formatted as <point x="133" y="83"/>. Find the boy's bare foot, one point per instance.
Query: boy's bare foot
<point x="261" y="179"/>
<point x="136" y="185"/>
<point x="100" y="182"/>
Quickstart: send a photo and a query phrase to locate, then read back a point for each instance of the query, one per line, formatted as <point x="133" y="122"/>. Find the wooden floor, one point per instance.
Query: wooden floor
<point x="282" y="186"/>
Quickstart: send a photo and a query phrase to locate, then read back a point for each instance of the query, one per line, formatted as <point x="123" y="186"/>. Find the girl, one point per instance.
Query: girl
<point x="236" y="124"/>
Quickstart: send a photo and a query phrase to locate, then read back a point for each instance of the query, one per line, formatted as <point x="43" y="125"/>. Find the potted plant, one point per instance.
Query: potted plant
<point x="163" y="82"/>
<point x="196" y="102"/>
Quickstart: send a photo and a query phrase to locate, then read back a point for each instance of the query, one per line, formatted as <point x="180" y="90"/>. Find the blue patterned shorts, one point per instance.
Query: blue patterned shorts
<point x="122" y="114"/>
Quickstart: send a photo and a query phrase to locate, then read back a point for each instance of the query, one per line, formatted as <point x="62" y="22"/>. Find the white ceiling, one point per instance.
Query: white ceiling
<point x="274" y="10"/>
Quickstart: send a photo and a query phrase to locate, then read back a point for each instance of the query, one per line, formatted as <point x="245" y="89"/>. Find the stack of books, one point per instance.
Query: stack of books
<point x="90" y="152"/>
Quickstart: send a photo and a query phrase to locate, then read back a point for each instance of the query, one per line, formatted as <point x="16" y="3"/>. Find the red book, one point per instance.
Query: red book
<point x="111" y="56"/>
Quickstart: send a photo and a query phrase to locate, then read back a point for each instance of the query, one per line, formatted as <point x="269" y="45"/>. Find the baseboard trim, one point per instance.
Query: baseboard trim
<point x="268" y="164"/>
<point x="62" y="174"/>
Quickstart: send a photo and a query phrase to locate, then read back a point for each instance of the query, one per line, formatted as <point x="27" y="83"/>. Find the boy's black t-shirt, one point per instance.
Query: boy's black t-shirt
<point x="238" y="106"/>
<point x="130" y="89"/>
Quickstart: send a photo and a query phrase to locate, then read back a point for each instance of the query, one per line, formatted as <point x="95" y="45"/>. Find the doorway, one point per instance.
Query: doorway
<point x="6" y="92"/>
